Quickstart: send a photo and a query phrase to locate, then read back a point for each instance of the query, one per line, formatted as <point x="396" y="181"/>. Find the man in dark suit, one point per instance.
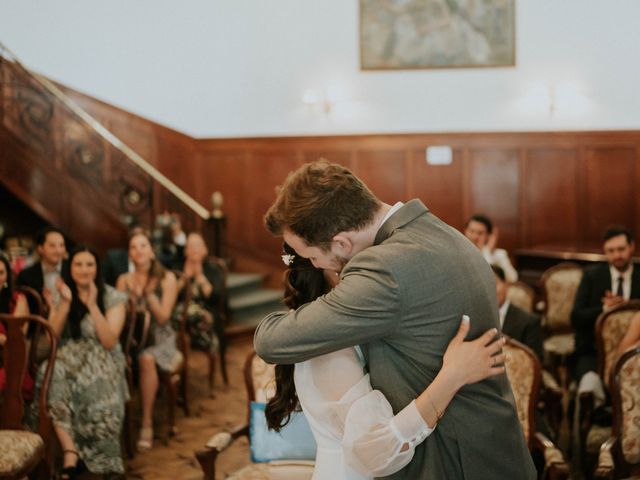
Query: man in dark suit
<point x="516" y="323"/>
<point x="603" y="287"/>
<point x="51" y="248"/>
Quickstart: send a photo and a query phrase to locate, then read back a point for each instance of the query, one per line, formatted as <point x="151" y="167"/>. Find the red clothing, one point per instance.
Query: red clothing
<point x="28" y="385"/>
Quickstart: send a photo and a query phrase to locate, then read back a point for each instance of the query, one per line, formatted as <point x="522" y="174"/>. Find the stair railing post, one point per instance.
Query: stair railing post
<point x="218" y="221"/>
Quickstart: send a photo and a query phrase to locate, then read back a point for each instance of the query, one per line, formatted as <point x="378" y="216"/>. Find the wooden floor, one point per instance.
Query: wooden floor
<point x="226" y="410"/>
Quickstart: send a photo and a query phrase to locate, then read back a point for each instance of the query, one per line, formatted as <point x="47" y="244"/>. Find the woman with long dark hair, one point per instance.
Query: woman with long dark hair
<point x="88" y="389"/>
<point x="357" y="435"/>
<point x="11" y="302"/>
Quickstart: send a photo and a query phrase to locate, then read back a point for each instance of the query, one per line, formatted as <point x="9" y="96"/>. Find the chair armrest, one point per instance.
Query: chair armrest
<point x="216" y="445"/>
<point x="606" y="465"/>
<point x="555" y="464"/>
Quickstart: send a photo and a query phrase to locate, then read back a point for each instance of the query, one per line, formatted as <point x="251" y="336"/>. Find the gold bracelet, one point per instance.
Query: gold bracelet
<point x="435" y="409"/>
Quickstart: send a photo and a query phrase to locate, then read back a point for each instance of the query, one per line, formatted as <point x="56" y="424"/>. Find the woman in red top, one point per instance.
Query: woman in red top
<point x="12" y="303"/>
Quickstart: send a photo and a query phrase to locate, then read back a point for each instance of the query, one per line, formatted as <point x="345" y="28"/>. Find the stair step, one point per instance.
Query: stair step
<point x="238" y="283"/>
<point x="255" y="299"/>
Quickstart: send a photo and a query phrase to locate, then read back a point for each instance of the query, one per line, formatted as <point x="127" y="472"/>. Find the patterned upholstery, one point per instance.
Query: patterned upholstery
<point x="561" y="344"/>
<point x="520" y="370"/>
<point x="614" y="327"/>
<point x="263" y="378"/>
<point x="629" y="378"/>
<point x="521" y="296"/>
<point x="19" y="449"/>
<point x="561" y="286"/>
<point x="280" y="470"/>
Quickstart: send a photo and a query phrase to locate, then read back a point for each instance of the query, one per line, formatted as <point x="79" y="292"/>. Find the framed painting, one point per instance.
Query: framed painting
<point x="408" y="34"/>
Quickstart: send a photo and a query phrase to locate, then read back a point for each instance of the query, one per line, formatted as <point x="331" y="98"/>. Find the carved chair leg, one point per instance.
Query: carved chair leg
<point x="127" y="429"/>
<point x="184" y="390"/>
<point x="223" y="366"/>
<point x="212" y="370"/>
<point x="207" y="460"/>
<point x="172" y="399"/>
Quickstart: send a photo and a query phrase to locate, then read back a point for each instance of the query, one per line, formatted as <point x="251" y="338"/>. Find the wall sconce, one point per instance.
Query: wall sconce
<point x="322" y="100"/>
<point x="562" y="99"/>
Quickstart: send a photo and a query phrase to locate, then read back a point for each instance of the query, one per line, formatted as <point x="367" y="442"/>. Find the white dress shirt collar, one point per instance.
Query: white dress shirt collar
<point x="626" y="280"/>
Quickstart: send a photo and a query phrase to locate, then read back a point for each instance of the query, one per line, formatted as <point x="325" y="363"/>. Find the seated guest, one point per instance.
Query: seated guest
<point x="88" y="389"/>
<point x="154" y="291"/>
<point x="12" y="303"/>
<point x="116" y="261"/>
<point x="603" y="286"/>
<point x="632" y="336"/>
<point x="169" y="239"/>
<point x="515" y="322"/>
<point x="51" y="248"/>
<point x="204" y="279"/>
<point x="484" y="235"/>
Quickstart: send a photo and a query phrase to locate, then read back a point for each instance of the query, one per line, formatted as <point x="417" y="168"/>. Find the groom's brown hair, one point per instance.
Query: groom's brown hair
<point x="318" y="201"/>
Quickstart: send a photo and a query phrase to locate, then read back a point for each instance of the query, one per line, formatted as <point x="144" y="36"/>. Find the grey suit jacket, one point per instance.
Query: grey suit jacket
<point x="402" y="300"/>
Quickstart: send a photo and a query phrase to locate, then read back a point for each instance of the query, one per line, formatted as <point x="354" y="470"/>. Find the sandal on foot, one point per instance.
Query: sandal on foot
<point x="73" y="471"/>
<point x="145" y="440"/>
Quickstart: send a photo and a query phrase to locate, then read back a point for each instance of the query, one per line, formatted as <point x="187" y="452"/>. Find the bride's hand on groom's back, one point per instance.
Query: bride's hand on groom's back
<point x="475" y="360"/>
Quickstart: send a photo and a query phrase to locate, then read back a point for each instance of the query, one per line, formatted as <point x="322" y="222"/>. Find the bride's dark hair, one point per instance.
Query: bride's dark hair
<point x="303" y="283"/>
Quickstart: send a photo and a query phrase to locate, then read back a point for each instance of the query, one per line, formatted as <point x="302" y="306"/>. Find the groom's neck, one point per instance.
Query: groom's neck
<point x="365" y="238"/>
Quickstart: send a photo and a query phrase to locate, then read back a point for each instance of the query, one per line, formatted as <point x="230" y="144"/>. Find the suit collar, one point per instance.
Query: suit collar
<point x="406" y="214"/>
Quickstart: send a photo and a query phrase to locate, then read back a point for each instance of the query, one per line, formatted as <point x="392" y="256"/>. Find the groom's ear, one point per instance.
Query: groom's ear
<point x="342" y="245"/>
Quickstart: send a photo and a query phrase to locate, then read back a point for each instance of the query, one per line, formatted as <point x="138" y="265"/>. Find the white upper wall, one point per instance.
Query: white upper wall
<point x="241" y="67"/>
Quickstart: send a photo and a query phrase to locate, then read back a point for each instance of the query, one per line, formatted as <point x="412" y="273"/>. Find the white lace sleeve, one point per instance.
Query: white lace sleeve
<point x="374" y="438"/>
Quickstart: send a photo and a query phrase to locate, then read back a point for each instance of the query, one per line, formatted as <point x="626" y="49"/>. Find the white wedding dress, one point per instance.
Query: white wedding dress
<point x="357" y="435"/>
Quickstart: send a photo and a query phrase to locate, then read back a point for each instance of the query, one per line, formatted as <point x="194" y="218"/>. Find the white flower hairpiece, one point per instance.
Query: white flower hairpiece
<point x="288" y="259"/>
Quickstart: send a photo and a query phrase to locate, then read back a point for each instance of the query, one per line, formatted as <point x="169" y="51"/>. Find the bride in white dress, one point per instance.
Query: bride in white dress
<point x="357" y="435"/>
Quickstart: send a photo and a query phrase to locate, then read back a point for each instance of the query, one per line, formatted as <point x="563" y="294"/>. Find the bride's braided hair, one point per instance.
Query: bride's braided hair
<point x="303" y="284"/>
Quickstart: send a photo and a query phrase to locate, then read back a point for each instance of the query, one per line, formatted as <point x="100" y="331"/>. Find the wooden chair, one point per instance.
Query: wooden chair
<point x="525" y="375"/>
<point x="611" y="327"/>
<point x="24" y="452"/>
<point x="620" y="454"/>
<point x="521" y="295"/>
<point x="259" y="380"/>
<point x="221" y="323"/>
<point x="559" y="287"/>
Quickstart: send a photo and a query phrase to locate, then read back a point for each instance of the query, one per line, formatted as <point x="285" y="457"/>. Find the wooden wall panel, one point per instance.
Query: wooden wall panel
<point x="384" y="172"/>
<point x="266" y="170"/>
<point x="551" y="197"/>
<point x="439" y="187"/>
<point x="544" y="188"/>
<point x="611" y="188"/>
<point x="494" y="190"/>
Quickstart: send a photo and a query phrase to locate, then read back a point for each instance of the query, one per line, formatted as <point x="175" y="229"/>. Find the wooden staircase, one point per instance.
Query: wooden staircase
<point x="249" y="302"/>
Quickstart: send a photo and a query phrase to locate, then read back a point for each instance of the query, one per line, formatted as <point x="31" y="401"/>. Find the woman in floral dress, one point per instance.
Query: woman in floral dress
<point x="88" y="390"/>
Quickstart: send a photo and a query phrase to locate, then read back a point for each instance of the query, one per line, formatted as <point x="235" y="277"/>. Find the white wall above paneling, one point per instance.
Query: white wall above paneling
<point x="291" y="67"/>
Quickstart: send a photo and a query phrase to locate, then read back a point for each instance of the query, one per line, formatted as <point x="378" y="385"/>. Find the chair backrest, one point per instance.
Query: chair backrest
<point x="625" y="398"/>
<point x="521" y="295"/>
<point x="559" y="287"/>
<point x="259" y="378"/>
<point x="34" y="298"/>
<point x="611" y="328"/>
<point x="221" y="287"/>
<point x="16" y="356"/>
<point x="523" y="370"/>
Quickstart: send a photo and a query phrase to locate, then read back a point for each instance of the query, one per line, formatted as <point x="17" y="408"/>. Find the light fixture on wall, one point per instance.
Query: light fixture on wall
<point x="323" y="100"/>
<point x="561" y="99"/>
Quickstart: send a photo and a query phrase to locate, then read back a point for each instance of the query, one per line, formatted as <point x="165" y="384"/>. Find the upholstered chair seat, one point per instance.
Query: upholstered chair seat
<point x="20" y="450"/>
<point x="275" y="470"/>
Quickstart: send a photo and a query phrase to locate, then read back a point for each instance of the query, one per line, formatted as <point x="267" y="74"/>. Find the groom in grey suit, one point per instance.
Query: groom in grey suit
<point x="406" y="278"/>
